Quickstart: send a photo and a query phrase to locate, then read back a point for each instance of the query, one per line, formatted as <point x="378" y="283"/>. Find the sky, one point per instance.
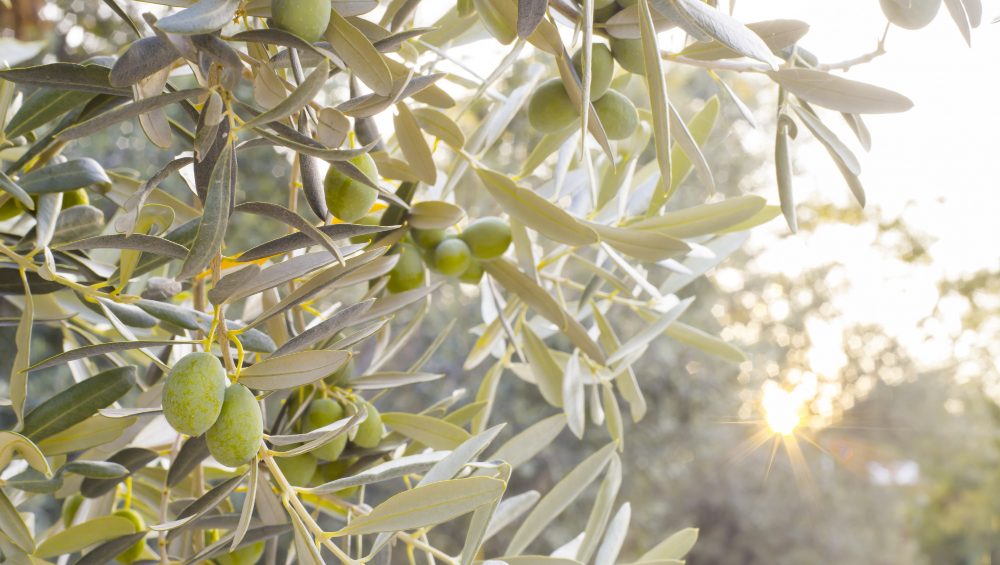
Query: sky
<point x="933" y="167"/>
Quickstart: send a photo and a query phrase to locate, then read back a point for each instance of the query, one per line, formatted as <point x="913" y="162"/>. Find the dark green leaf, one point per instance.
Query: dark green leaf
<point x="142" y="59"/>
<point x="214" y="219"/>
<point x="132" y="458"/>
<point x="43" y="106"/>
<point x="78" y="402"/>
<point x="62" y="177"/>
<point x="96" y="469"/>
<point x="65" y="76"/>
<point x="126" y="112"/>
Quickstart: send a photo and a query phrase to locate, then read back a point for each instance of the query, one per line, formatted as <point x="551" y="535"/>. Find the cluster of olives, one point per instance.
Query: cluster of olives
<point x="13" y="207"/>
<point x="550" y="108"/>
<point x="197" y="401"/>
<point x="449" y="253"/>
<point x="326" y="464"/>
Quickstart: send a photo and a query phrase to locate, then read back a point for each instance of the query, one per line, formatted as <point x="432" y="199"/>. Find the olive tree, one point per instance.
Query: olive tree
<point x="232" y="402"/>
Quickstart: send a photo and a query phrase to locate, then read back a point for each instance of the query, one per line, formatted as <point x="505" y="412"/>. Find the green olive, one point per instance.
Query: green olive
<point x="408" y="273"/>
<point x="246" y="555"/>
<point x="343" y="374"/>
<point x="550" y="108"/>
<point x="70" y="507"/>
<point x="369" y="432"/>
<point x="194" y="392"/>
<point x="133" y="552"/>
<point x="628" y="53"/>
<point x="369" y="220"/>
<point x="336" y="470"/>
<point x="349" y="199"/>
<point x="305" y="18"/>
<point x="235" y="437"/>
<point x="428" y="239"/>
<point x="322" y="412"/>
<point x="618" y="115"/>
<point x="473" y="274"/>
<point x="298" y="469"/>
<point x="604" y="14"/>
<point x="10" y="209"/>
<point x="602" y="66"/>
<point x="78" y="197"/>
<point x="910" y="14"/>
<point x="452" y="257"/>
<point x="487" y="237"/>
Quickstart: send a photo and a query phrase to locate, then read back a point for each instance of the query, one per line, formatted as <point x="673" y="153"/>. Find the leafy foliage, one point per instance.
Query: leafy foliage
<point x="146" y="285"/>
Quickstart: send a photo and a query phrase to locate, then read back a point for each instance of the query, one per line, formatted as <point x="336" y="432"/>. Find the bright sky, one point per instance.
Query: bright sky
<point x="935" y="167"/>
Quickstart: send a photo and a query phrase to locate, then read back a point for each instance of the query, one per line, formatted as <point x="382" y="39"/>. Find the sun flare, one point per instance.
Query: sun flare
<point x="781" y="411"/>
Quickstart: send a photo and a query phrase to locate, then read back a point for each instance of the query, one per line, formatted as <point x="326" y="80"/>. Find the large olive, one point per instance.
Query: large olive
<point x="618" y="115"/>
<point x="452" y="257"/>
<point x="298" y="469"/>
<point x="473" y="274"/>
<point x="323" y="412"/>
<point x="349" y="199"/>
<point x="235" y="437"/>
<point x="550" y="108"/>
<point x="369" y="432"/>
<point x="135" y="550"/>
<point x="70" y="507"/>
<point x="246" y="555"/>
<point x="628" y="53"/>
<point x="194" y="392"/>
<point x="487" y="237"/>
<point x="910" y="14"/>
<point x="408" y="273"/>
<point x="305" y="18"/>
<point x="428" y="239"/>
<point x="602" y="66"/>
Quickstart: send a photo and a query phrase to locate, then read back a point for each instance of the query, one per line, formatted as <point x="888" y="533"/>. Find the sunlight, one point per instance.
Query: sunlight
<point x="781" y="411"/>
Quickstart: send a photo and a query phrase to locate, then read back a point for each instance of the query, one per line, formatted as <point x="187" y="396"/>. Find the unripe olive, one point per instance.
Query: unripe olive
<point x="452" y="257"/>
<point x="618" y="115"/>
<point x="550" y="108"/>
<point x="604" y="14"/>
<point x="298" y="470"/>
<point x="343" y="374"/>
<point x="70" y="507"/>
<point x="10" y="209"/>
<point x="473" y="274"/>
<point x="78" y="197"/>
<point x="193" y="393"/>
<point x="369" y="220"/>
<point x="336" y="470"/>
<point x="408" y="273"/>
<point x="246" y="555"/>
<point x="428" y="239"/>
<point x="602" y="66"/>
<point x="369" y="432"/>
<point x="910" y="14"/>
<point x="487" y="237"/>
<point x="628" y="53"/>
<point x="305" y="18"/>
<point x="349" y="199"/>
<point x="235" y="437"/>
<point x="133" y="552"/>
<point x="323" y="412"/>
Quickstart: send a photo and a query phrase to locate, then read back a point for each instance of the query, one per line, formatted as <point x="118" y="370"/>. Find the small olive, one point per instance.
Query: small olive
<point x="602" y="66"/>
<point x="618" y="115"/>
<point x="550" y="108"/>
<point x="349" y="199"/>
<point x="487" y="237"/>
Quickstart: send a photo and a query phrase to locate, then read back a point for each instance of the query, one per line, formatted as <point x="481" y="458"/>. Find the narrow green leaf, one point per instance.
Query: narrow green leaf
<point x="427" y="430"/>
<point x="560" y="497"/>
<point x="426" y="506"/>
<point x="838" y="93"/>
<point x="205" y="16"/>
<point x="126" y="112"/>
<point x="296" y="100"/>
<point x="359" y="54"/>
<point x="215" y="217"/>
<point x="78" y="402"/>
<point x="293" y="370"/>
<point x="84" y="535"/>
<point x="62" y="177"/>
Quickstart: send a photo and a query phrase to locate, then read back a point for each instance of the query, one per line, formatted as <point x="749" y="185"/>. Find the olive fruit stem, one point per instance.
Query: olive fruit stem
<point x="291" y="502"/>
